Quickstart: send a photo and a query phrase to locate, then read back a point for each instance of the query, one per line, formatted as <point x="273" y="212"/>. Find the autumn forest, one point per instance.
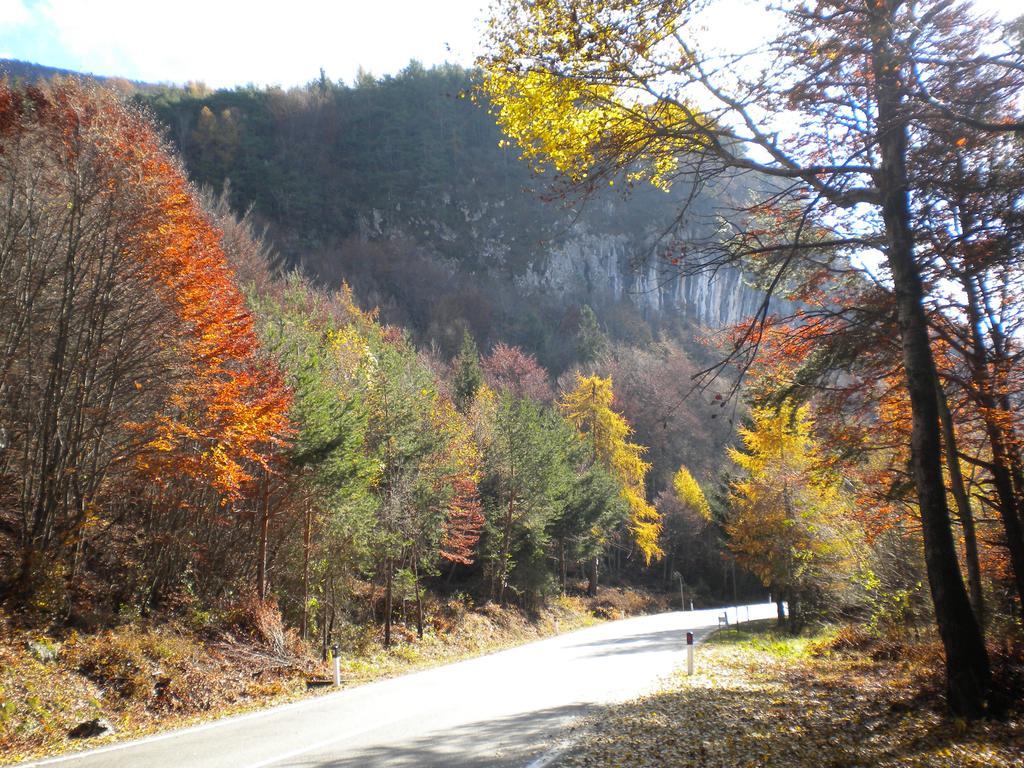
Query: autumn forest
<point x="287" y="369"/>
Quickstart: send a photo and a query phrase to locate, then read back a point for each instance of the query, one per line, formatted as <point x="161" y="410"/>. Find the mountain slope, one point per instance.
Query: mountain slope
<point x="396" y="183"/>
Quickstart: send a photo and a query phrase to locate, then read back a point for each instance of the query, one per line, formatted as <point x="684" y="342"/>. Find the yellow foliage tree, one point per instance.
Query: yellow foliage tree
<point x="544" y="81"/>
<point x="606" y="88"/>
<point x="787" y="522"/>
<point x="588" y="407"/>
<point x="690" y="493"/>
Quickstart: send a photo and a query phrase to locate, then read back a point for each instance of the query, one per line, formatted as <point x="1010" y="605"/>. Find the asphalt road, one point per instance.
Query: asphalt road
<point x="506" y="709"/>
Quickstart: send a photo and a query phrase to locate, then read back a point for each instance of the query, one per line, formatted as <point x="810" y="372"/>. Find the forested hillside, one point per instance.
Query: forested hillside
<point x="405" y="188"/>
<point x="25" y="72"/>
<point x="181" y="413"/>
<point x="284" y="369"/>
<point x="212" y="471"/>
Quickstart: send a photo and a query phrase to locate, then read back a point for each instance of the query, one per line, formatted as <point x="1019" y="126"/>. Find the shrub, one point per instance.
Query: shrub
<point x="616" y="603"/>
<point x="261" y="620"/>
<point x="450" y="614"/>
<point x="131" y="662"/>
<point x="357" y="639"/>
<point x="116" y="662"/>
<point x="849" y="638"/>
<point x="855" y="639"/>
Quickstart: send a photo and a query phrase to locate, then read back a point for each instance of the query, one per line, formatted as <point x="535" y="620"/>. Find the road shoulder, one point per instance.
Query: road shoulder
<point x="761" y="698"/>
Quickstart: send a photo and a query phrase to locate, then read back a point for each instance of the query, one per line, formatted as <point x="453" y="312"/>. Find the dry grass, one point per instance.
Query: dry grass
<point x="617" y="603"/>
<point x="764" y="699"/>
<point x="457" y="632"/>
<point x="138" y="678"/>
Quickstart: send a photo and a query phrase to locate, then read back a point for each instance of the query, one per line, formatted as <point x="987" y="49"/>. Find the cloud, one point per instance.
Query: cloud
<point x="13" y="14"/>
<point x="231" y="42"/>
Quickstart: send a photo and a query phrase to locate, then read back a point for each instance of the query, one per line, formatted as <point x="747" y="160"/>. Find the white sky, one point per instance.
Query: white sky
<point x="286" y="42"/>
<point x="235" y="42"/>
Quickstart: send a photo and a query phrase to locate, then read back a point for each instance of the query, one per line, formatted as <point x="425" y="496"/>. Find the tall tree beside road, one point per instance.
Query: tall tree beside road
<point x="786" y="521"/>
<point x="588" y="407"/>
<point x="828" y="111"/>
<point x="133" y="388"/>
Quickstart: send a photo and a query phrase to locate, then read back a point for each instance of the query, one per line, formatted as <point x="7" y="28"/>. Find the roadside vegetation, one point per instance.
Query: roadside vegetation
<point x="829" y="697"/>
<point x="212" y="469"/>
<point x="187" y="426"/>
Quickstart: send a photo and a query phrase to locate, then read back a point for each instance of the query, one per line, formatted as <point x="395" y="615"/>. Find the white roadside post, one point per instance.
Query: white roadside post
<point x="689" y="653"/>
<point x="337" y="666"/>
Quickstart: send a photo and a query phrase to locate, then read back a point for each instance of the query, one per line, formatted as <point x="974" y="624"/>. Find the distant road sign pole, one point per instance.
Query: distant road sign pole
<point x="689" y="653"/>
<point x="735" y="599"/>
<point x="682" y="591"/>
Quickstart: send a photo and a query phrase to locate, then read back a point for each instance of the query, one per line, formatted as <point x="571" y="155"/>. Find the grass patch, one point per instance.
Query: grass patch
<point x="767" y="637"/>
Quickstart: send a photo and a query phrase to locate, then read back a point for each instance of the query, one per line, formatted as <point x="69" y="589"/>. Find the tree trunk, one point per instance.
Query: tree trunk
<point x="999" y="442"/>
<point x="419" y="612"/>
<point x="968" y="676"/>
<point x="387" y="604"/>
<point x="562" y="567"/>
<point x="963" y="506"/>
<point x="323" y="621"/>
<point x="735" y="592"/>
<point x="419" y="598"/>
<point x="334" y="616"/>
<point x="498" y="588"/>
<point x="261" y="555"/>
<point x="1007" y="506"/>
<point x="592" y="583"/>
<point x="306" y="539"/>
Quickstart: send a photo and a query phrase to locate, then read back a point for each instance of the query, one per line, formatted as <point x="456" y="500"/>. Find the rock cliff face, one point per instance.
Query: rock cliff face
<point x="603" y="253"/>
<point x="607" y="266"/>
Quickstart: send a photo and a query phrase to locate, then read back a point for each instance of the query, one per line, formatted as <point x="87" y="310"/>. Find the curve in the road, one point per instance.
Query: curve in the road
<point x="504" y="709"/>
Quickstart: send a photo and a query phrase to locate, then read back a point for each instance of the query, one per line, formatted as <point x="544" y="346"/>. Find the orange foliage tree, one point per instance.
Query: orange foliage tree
<point x="133" y="391"/>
